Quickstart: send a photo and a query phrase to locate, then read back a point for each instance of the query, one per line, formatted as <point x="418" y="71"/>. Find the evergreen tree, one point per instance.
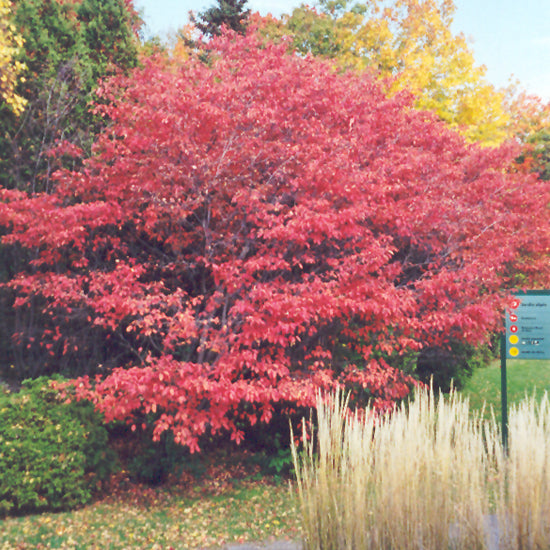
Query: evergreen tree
<point x="67" y="48"/>
<point x="230" y="13"/>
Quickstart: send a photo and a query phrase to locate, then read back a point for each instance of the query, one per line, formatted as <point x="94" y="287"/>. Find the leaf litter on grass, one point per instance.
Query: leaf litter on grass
<point x="219" y="510"/>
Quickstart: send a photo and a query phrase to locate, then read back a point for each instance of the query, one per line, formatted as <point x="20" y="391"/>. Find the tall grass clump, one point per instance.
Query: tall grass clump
<point x="523" y="506"/>
<point x="429" y="475"/>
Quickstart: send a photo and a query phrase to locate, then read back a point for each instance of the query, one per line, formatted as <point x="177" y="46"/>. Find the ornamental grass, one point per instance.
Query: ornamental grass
<point x="429" y="475"/>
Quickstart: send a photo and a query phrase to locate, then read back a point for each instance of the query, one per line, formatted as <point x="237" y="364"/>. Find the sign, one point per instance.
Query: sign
<point x="527" y="336"/>
<point x="528" y="326"/>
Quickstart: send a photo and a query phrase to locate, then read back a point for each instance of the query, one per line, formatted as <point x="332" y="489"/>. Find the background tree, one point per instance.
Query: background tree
<point x="67" y="48"/>
<point x="229" y="13"/>
<point x="411" y="42"/>
<point x="537" y="154"/>
<point x="531" y="124"/>
<point x="255" y="228"/>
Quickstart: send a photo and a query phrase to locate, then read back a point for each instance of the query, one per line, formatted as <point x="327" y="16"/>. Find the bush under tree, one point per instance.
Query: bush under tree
<point x="52" y="454"/>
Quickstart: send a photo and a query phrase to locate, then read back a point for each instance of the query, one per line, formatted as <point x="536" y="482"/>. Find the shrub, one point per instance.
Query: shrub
<point x="52" y="453"/>
<point x="451" y="366"/>
<point x="268" y="443"/>
<point x="154" y="461"/>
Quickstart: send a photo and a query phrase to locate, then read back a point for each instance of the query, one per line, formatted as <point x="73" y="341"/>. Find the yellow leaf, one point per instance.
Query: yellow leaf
<point x="10" y="68"/>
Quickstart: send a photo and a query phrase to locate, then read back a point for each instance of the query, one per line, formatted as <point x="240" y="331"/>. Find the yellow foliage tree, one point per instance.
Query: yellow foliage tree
<point x="10" y="68"/>
<point x="185" y="45"/>
<point x="411" y="42"/>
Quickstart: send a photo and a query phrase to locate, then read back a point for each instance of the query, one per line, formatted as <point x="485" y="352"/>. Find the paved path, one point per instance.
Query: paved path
<point x="277" y="545"/>
<point x="491" y="528"/>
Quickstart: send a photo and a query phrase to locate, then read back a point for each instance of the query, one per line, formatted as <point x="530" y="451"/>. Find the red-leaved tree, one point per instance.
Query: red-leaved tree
<point x="256" y="227"/>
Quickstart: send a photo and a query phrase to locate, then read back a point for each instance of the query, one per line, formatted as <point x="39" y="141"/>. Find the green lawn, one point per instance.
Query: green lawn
<point x="523" y="378"/>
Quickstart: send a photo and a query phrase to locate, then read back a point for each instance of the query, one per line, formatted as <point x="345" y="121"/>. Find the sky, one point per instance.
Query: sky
<point x="510" y="37"/>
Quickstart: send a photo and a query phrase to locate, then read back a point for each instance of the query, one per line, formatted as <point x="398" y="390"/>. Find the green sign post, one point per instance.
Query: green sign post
<point x="527" y="336"/>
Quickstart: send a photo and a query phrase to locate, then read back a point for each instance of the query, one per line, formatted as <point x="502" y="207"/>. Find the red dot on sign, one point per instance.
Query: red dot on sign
<point x="515" y="303"/>
<point x="513" y="318"/>
<point x="513" y="328"/>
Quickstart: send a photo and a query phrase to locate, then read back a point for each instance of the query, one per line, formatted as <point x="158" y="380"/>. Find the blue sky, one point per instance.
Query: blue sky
<point x="510" y="37"/>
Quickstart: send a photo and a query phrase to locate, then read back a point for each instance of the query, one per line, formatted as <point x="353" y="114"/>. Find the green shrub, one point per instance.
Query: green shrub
<point x="451" y="366"/>
<point x="52" y="453"/>
<point x="149" y="461"/>
<point x="155" y="461"/>
<point x="268" y="443"/>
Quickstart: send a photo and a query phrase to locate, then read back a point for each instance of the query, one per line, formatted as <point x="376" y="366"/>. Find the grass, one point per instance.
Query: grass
<point x="183" y="515"/>
<point x="524" y="378"/>
<point x="426" y="477"/>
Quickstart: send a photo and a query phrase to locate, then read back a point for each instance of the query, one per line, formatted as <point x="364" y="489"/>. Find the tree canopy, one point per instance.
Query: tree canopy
<point x="411" y="42"/>
<point x="256" y="227"/>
